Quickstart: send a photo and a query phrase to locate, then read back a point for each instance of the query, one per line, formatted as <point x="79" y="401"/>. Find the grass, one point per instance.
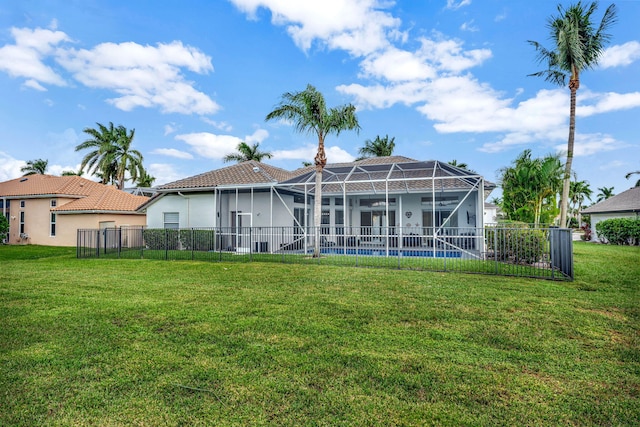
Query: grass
<point x="146" y="342"/>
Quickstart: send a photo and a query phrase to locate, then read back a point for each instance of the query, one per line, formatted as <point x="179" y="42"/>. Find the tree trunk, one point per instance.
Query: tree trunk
<point x="321" y="161"/>
<point x="574" y="84"/>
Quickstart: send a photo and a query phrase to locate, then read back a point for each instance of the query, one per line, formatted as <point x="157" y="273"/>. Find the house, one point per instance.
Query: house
<point x="48" y="210"/>
<point x="623" y="205"/>
<point x="377" y="201"/>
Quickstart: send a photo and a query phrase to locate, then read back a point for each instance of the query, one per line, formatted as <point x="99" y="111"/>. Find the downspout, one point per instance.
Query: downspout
<point x="188" y="208"/>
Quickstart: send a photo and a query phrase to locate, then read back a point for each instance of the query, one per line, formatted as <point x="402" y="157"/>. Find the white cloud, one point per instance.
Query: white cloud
<point x="25" y="57"/>
<point x="457" y="4"/>
<point x="223" y="126"/>
<point x="169" y="129"/>
<point x="9" y="167"/>
<point x="357" y="26"/>
<point x="143" y="76"/>
<point x="468" y="26"/>
<point x="308" y="152"/>
<point x="607" y="102"/>
<point x="214" y="146"/>
<point x="172" y="152"/>
<point x="589" y="144"/>
<point x="165" y="173"/>
<point x="620" y="55"/>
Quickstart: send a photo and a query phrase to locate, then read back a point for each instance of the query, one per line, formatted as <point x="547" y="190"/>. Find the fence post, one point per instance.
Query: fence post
<point x="495" y="247"/>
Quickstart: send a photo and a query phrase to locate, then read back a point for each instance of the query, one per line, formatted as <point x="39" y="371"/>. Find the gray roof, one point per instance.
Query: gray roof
<point x="627" y="201"/>
<point x="370" y="175"/>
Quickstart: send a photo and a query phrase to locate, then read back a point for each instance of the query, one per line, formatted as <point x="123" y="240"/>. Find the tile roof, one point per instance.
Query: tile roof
<point x="88" y="195"/>
<point x="250" y="172"/>
<point x="627" y="201"/>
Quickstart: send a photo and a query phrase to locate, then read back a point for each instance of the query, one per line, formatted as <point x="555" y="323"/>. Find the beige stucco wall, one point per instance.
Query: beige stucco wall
<point x="38" y="222"/>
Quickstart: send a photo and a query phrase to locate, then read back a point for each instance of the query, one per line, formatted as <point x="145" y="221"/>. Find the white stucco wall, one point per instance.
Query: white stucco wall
<point x="194" y="209"/>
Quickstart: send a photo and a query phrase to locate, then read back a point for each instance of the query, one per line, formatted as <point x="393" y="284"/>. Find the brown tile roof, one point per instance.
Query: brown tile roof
<point x="89" y="195"/>
<point x="250" y="172"/>
<point x="627" y="201"/>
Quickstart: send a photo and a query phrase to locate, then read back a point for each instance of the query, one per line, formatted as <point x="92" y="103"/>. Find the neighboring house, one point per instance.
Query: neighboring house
<point x="48" y="210"/>
<point x="378" y="196"/>
<point x="623" y="205"/>
<point x="490" y="213"/>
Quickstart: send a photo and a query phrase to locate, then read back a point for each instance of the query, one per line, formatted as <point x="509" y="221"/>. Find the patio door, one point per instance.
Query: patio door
<point x="375" y="223"/>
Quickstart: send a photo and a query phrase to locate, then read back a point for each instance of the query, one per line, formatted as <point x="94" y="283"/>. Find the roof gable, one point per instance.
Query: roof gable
<point x="88" y="195"/>
<point x="627" y="201"/>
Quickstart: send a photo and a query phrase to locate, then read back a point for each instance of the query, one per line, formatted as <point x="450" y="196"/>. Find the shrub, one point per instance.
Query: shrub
<point x="619" y="231"/>
<point x="4" y="227"/>
<point x="586" y="233"/>
<point x="161" y="238"/>
<point x="516" y="242"/>
<point x="198" y="240"/>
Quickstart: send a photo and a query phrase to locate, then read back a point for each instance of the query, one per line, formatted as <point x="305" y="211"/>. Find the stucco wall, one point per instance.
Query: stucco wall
<point x="38" y="222"/>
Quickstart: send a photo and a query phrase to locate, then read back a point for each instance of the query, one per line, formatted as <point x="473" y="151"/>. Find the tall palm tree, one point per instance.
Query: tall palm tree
<point x="604" y="193"/>
<point x="33" y="167"/>
<point x="578" y="46"/>
<point x="111" y="156"/>
<point x="634" y="173"/>
<point x="72" y="173"/>
<point x="307" y="110"/>
<point x="578" y="192"/>
<point x="379" y="147"/>
<point x="247" y="152"/>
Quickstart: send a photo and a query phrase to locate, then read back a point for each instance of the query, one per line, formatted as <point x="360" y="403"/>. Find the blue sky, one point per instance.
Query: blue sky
<point x="446" y="78"/>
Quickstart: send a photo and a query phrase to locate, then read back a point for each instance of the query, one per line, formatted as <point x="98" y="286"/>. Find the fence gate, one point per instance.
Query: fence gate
<point x="561" y="248"/>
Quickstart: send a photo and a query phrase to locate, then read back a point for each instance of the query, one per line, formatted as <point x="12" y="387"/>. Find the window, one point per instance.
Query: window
<point x="339" y="221"/>
<point x="21" y="222"/>
<point x="325" y="219"/>
<point x="339" y="201"/>
<point x="54" y="203"/>
<point x="376" y="202"/>
<point x="326" y="201"/>
<point x="53" y="224"/>
<point x="171" y="220"/>
<point x="298" y="198"/>
<point x="22" y="203"/>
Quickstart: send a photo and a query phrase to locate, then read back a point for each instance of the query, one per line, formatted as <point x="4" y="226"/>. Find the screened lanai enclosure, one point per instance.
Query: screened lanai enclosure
<point x="428" y="206"/>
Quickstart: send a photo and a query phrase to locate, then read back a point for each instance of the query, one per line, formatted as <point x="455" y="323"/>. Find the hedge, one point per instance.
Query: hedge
<point x="619" y="231"/>
<point x="516" y="242"/>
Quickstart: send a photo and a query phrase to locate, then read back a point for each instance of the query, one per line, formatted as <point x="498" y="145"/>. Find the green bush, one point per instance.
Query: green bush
<point x="4" y="227"/>
<point x="516" y="242"/>
<point x="198" y="240"/>
<point x="619" y="231"/>
<point x="161" y="238"/>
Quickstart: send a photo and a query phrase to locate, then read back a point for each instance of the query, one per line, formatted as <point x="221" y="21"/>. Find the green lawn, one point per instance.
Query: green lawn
<point x="152" y="343"/>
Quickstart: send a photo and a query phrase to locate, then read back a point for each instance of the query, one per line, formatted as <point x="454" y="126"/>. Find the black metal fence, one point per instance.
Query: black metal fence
<point x="514" y="250"/>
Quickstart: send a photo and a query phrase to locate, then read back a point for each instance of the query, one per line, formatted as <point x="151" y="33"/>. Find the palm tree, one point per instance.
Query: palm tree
<point x="530" y="187"/>
<point x="246" y="153"/>
<point x="464" y="166"/>
<point x="73" y="173"/>
<point x="633" y="173"/>
<point x="307" y="110"/>
<point x="379" y="147"/>
<point x="111" y="156"/>
<point x="578" y="192"/>
<point x="578" y="46"/>
<point x="604" y="193"/>
<point x="145" y="180"/>
<point x="33" y="167"/>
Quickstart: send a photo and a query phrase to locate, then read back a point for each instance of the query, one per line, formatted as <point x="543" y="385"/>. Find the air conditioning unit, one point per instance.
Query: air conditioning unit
<point x="24" y="236"/>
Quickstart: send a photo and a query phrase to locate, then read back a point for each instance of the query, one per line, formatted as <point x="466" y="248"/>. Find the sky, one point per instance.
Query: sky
<point x="448" y="79"/>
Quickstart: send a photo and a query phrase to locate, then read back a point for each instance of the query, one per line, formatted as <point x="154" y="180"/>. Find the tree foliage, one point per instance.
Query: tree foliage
<point x="33" y="167"/>
<point x="4" y="226"/>
<point x="111" y="156"/>
<point x="578" y="45"/>
<point x="530" y="187"/>
<point x="247" y="152"/>
<point x="379" y="147"/>
<point x="619" y="231"/>
<point x="307" y="111"/>
<point x="604" y="193"/>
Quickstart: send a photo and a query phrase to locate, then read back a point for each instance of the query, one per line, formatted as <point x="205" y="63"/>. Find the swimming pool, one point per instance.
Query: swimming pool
<point x="422" y="253"/>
